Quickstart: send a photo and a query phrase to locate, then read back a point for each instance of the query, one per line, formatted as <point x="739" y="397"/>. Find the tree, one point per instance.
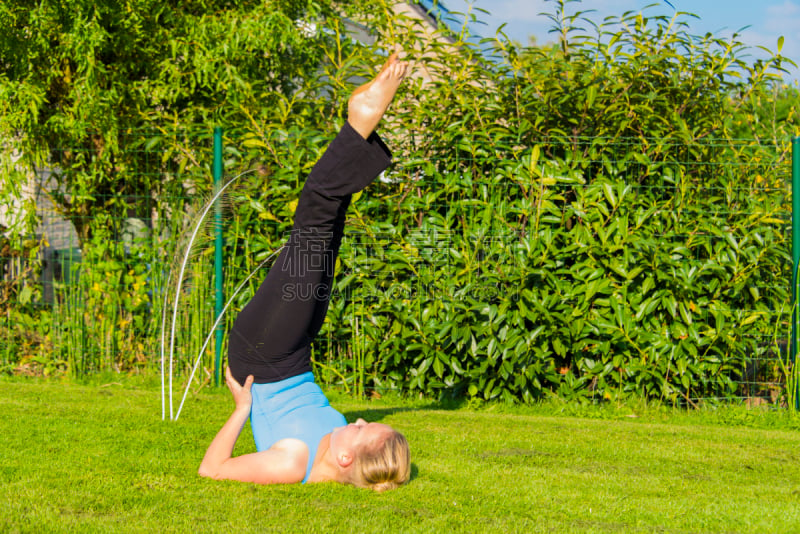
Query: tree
<point x="80" y="79"/>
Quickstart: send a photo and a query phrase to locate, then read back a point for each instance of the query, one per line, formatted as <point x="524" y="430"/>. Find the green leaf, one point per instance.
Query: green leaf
<point x="438" y="367"/>
<point x="608" y="191"/>
<point x="25" y="295"/>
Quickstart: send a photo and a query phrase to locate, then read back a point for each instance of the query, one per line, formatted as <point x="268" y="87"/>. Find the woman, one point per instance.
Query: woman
<point x="298" y="435"/>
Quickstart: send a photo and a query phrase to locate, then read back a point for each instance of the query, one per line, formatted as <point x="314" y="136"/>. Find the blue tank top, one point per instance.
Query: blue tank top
<point x="292" y="408"/>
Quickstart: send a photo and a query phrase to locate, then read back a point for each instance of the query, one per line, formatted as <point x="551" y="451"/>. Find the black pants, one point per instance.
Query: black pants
<point x="271" y="337"/>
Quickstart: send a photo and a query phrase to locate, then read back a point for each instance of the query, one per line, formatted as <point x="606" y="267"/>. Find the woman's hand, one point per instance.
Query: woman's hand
<point x="241" y="393"/>
<point x="217" y="463"/>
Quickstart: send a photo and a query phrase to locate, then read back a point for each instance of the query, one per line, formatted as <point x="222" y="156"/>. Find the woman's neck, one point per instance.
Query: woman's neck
<point x="324" y="468"/>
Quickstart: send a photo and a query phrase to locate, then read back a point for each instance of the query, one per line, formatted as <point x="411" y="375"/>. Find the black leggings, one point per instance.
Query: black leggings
<point x="271" y="337"/>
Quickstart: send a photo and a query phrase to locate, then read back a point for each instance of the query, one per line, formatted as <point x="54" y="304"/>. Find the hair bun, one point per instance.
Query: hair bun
<point x="380" y="487"/>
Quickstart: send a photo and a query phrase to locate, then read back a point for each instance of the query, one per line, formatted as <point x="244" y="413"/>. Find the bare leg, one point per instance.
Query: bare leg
<point x="370" y="101"/>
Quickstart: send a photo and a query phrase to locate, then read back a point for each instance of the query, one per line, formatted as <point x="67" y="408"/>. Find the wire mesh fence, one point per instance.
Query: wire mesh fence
<point x="583" y="268"/>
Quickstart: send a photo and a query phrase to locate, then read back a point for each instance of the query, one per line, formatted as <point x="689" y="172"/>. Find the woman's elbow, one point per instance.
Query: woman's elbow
<point x="205" y="471"/>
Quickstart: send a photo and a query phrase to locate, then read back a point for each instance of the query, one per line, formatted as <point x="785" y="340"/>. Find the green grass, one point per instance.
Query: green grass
<point x="98" y="458"/>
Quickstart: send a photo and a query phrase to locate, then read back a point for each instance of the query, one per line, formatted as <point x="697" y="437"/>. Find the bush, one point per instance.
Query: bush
<point x="598" y="227"/>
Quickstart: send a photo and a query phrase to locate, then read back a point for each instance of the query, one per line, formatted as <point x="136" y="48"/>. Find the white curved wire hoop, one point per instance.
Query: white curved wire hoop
<point x="163" y="329"/>
<point x="198" y="225"/>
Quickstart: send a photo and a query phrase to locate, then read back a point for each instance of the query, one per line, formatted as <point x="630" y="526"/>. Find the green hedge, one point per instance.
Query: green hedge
<point x="563" y="279"/>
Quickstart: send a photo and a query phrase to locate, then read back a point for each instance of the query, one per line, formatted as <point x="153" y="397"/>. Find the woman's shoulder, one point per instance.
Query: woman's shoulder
<point x="291" y="446"/>
<point x="293" y="453"/>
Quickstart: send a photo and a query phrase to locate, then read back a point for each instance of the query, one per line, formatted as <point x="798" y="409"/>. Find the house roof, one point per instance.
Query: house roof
<point x="437" y="13"/>
<point x="441" y="16"/>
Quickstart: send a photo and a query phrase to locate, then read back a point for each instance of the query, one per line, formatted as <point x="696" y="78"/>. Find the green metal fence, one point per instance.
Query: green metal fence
<point x="447" y="264"/>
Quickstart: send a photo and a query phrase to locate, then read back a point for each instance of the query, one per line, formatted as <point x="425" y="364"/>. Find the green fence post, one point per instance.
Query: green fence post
<point x="795" y="247"/>
<point x="218" y="244"/>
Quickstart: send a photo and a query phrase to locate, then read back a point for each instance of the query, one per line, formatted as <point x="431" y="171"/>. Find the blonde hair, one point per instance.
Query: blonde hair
<point x="386" y="467"/>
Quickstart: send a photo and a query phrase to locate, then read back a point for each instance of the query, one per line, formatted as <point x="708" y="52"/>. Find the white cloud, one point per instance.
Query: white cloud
<point x="515" y="10"/>
<point x="783" y="19"/>
<point x="787" y="9"/>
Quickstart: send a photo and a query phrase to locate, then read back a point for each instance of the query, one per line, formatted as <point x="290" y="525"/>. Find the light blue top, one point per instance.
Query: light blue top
<point x="292" y="408"/>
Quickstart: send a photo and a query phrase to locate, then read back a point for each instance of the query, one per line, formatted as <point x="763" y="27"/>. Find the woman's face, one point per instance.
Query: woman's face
<point x="356" y="436"/>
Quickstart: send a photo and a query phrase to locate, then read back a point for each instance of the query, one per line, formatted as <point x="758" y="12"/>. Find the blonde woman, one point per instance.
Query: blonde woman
<point x="299" y="436"/>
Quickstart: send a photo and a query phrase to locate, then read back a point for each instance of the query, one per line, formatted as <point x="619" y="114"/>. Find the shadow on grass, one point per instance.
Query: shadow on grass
<point x="372" y="415"/>
<point x="375" y="415"/>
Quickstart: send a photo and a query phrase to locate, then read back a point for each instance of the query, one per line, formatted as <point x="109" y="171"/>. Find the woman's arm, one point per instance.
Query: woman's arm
<point x="283" y="463"/>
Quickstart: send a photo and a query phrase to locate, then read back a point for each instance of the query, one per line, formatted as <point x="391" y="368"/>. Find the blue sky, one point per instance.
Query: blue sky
<point x="767" y="19"/>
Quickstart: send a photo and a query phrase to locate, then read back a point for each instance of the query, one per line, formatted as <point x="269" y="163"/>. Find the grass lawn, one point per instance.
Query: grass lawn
<point x="98" y="458"/>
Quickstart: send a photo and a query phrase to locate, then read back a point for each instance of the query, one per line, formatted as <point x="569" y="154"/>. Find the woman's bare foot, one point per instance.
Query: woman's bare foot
<point x="369" y="102"/>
